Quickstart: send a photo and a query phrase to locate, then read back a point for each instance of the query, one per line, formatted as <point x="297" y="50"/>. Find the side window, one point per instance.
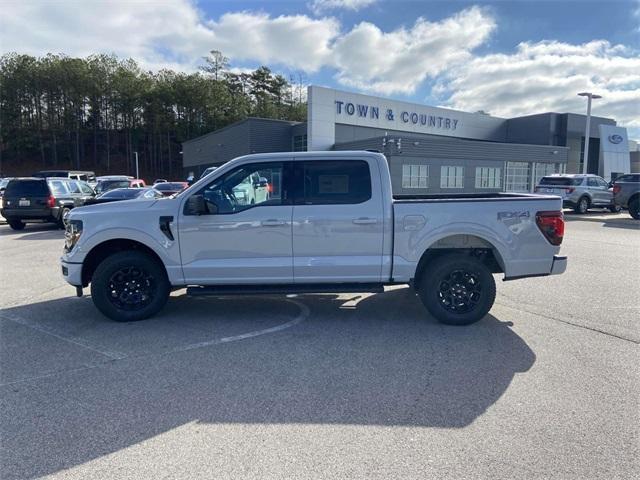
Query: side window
<point x="602" y="183"/>
<point x="234" y="192"/>
<point x="332" y="182"/>
<point x="58" y="188"/>
<point x="86" y="189"/>
<point x="592" y="182"/>
<point x="73" y="187"/>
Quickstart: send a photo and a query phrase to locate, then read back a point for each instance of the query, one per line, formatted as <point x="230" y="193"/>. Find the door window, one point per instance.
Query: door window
<point x="332" y="182"/>
<point x="73" y="187"/>
<point x="236" y="191"/>
<point x="86" y="189"/>
<point x="592" y="182"/>
<point x="58" y="187"/>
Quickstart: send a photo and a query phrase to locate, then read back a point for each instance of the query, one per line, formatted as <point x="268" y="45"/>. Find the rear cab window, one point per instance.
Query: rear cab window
<point x="332" y="182"/>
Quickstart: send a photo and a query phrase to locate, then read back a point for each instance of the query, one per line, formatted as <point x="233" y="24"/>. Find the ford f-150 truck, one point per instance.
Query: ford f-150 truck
<point x="329" y="224"/>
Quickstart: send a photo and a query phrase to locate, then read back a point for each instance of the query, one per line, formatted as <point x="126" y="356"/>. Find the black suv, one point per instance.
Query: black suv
<point x="48" y="200"/>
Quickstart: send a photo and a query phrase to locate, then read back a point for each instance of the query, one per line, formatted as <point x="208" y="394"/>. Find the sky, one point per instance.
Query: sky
<point x="507" y="58"/>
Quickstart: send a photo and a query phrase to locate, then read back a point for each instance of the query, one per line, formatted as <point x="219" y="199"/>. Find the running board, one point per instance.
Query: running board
<point x="221" y="290"/>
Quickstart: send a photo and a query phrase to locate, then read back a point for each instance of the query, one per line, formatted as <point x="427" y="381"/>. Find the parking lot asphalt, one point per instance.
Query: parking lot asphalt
<point x="326" y="386"/>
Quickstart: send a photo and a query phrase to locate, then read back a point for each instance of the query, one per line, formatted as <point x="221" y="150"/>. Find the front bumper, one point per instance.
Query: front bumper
<point x="559" y="265"/>
<point x="72" y="272"/>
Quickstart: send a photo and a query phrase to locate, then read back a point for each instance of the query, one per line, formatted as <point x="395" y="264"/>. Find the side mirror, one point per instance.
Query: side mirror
<point x="195" y="205"/>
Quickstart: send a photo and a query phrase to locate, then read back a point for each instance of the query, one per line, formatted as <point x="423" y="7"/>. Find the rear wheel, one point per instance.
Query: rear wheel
<point x="129" y="286"/>
<point x="457" y="289"/>
<point x="15" y="224"/>
<point x="582" y="206"/>
<point x="634" y="208"/>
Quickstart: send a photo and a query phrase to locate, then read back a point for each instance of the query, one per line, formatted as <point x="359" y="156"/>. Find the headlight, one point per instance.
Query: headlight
<point x="72" y="233"/>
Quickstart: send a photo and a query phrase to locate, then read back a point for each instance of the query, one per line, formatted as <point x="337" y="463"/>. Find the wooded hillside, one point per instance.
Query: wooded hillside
<point x="93" y="113"/>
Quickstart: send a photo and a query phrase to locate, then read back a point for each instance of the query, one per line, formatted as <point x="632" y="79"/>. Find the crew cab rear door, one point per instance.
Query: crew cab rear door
<point x="337" y="221"/>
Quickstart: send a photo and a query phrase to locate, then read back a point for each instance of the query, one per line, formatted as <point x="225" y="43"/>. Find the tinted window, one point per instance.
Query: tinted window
<point x="562" y="181"/>
<point x="628" y="178"/>
<point x="168" y="186"/>
<point x="332" y="182"/>
<point x="111" y="184"/>
<point x="233" y="193"/>
<point x="25" y="188"/>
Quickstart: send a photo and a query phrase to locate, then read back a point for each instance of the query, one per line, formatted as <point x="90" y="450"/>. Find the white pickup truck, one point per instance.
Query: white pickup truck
<point x="329" y="224"/>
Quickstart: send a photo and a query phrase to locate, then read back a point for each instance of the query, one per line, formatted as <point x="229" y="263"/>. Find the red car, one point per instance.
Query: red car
<point x="169" y="188"/>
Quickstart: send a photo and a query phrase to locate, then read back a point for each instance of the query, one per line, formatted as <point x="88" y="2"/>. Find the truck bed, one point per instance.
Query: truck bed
<point x="447" y="197"/>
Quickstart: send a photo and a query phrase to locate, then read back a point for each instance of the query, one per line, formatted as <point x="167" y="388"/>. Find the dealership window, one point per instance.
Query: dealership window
<point x="451" y="177"/>
<point x="488" y="177"/>
<point x="300" y="143"/>
<point x="517" y="177"/>
<point x="545" y="169"/>
<point x="415" y="176"/>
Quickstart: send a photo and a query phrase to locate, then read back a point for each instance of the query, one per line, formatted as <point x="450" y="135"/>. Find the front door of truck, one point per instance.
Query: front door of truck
<point x="247" y="240"/>
<point x="337" y="221"/>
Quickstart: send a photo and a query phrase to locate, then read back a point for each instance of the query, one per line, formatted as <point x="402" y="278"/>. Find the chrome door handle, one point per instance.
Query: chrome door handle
<point x="364" y="221"/>
<point x="272" y="223"/>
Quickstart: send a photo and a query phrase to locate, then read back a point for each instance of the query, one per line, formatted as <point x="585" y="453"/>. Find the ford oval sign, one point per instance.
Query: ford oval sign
<point x="616" y="138"/>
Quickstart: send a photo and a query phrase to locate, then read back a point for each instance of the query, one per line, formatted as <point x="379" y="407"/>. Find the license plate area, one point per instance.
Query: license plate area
<point x="23" y="202"/>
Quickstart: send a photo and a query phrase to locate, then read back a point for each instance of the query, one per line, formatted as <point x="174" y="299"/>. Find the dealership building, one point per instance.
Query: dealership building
<point x="429" y="149"/>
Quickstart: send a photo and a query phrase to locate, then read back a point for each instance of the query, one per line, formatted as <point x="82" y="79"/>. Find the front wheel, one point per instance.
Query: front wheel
<point x="129" y="286"/>
<point x="457" y="289"/>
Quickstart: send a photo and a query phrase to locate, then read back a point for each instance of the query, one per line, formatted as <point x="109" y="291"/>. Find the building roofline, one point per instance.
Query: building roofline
<point x="240" y="122"/>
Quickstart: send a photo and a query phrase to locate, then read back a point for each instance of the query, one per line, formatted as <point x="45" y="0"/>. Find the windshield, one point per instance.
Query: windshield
<point x="561" y="181"/>
<point x="122" y="193"/>
<point x="105" y="185"/>
<point x="169" y="186"/>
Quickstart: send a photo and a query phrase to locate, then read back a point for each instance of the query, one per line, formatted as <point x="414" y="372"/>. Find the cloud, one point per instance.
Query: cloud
<point x="400" y="60"/>
<point x="320" y="6"/>
<point x="546" y="76"/>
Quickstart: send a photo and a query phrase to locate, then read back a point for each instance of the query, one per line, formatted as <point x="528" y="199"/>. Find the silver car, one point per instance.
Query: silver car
<point x="578" y="191"/>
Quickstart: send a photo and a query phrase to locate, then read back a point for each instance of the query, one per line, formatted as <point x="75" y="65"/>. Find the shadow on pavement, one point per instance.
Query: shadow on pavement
<point x="361" y="360"/>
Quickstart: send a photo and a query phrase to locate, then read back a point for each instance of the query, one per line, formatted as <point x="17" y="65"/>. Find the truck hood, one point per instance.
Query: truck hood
<point x="121" y="207"/>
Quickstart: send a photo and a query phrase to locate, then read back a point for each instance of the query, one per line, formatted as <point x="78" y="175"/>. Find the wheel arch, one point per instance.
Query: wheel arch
<point x="108" y="247"/>
<point x="464" y="244"/>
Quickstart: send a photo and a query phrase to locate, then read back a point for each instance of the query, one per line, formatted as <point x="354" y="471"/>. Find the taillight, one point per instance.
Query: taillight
<point x="51" y="201"/>
<point x="551" y="224"/>
<point x="269" y="188"/>
<point x="571" y="190"/>
<point x="616" y="188"/>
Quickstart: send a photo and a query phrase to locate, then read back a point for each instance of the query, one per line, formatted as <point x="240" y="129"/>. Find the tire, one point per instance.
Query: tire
<point x="634" y="208"/>
<point x="138" y="269"/>
<point x="615" y="209"/>
<point x="16" y="224"/>
<point x="464" y="302"/>
<point x="63" y="213"/>
<point x="582" y="206"/>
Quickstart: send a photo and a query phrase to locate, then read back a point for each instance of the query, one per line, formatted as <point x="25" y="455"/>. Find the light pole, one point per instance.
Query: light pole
<point x="137" y="172"/>
<point x="590" y="96"/>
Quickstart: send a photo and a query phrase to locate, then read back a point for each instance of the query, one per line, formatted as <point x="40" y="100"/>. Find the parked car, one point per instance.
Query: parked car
<point x="111" y="182"/>
<point x="119" y="194"/>
<point x="333" y="226"/>
<point x="170" y="188"/>
<point x="84" y="175"/>
<point x="159" y="180"/>
<point x="42" y="199"/>
<point x="207" y="171"/>
<point x="626" y="193"/>
<point x="580" y="192"/>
